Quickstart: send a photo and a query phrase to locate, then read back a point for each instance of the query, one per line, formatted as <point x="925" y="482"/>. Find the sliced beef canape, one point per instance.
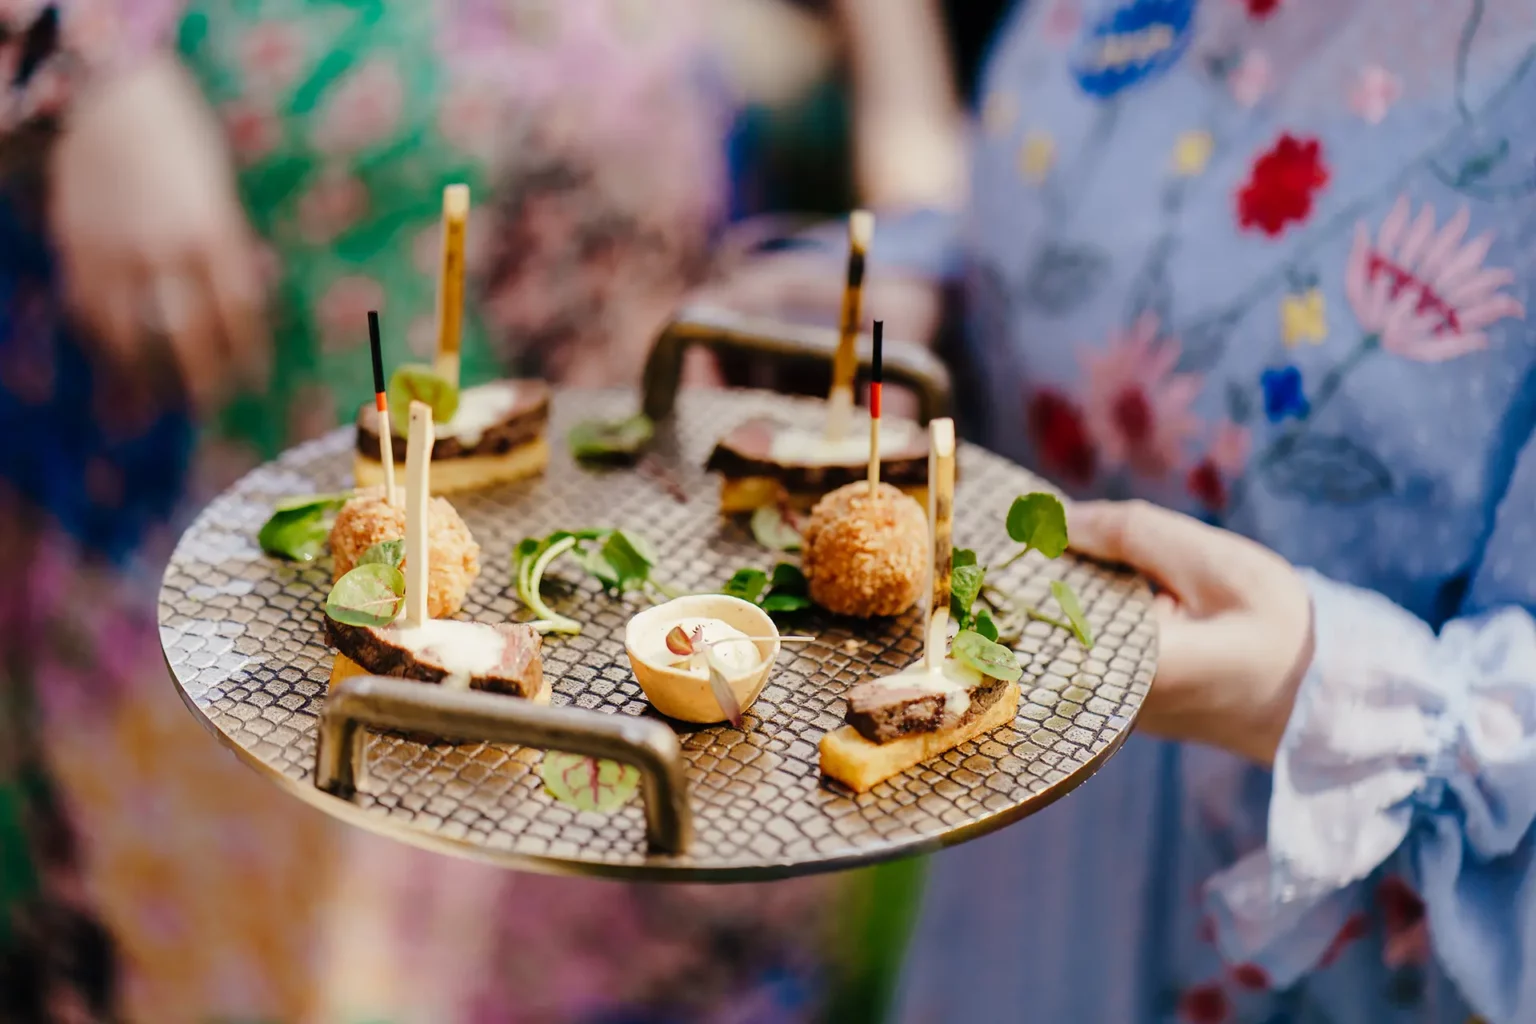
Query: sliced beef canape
<point x="503" y="658"/>
<point x="764" y="459"/>
<point x="882" y="711"/>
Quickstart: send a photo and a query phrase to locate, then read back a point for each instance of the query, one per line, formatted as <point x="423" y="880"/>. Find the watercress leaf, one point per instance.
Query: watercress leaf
<point x="299" y="527"/>
<point x="587" y="783"/>
<point x="1067" y="598"/>
<point x="526" y="548"/>
<point x="988" y="658"/>
<point x="385" y="552"/>
<point x="597" y="564"/>
<point x="984" y="624"/>
<point x="414" y="382"/>
<point x="964" y="584"/>
<point x="775" y="604"/>
<point x="369" y="595"/>
<point x="746" y="584"/>
<point x="788" y="579"/>
<point x="610" y="439"/>
<point x="630" y="557"/>
<point x="590" y="533"/>
<point x="774" y="531"/>
<point x="1039" y="521"/>
<point x="961" y="556"/>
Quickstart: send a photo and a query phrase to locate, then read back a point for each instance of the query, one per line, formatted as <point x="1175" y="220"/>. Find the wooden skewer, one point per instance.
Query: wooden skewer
<point x="845" y="365"/>
<point x="418" y="465"/>
<point x="941" y="511"/>
<point x="874" y="411"/>
<point x="381" y="403"/>
<point x="450" y="285"/>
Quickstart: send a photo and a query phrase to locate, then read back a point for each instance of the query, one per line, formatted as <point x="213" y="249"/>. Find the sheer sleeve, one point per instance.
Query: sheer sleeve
<point x="1411" y="742"/>
<point x="48" y="51"/>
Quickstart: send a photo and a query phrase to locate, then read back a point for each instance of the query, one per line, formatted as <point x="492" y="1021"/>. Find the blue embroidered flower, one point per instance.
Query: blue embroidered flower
<point x="1283" y="394"/>
<point x="1131" y="43"/>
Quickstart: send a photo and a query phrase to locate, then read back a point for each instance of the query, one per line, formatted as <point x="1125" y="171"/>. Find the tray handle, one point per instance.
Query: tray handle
<point x="720" y="330"/>
<point x="467" y="715"/>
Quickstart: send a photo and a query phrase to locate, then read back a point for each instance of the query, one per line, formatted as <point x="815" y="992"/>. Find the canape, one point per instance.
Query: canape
<point x="497" y="435"/>
<point x="670" y="647"/>
<point x="368" y="519"/>
<point x="865" y="551"/>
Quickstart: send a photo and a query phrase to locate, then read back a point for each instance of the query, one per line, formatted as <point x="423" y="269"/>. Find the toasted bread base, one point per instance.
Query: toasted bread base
<point x="859" y="764"/>
<point x="750" y="493"/>
<point x="470" y="473"/>
<point x="345" y="668"/>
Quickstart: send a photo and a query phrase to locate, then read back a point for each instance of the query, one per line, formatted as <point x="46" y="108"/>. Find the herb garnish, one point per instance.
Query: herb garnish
<point x="587" y="783"/>
<point x="1039" y="522"/>
<point x="385" y="552"/>
<point x="990" y="659"/>
<point x="775" y="529"/>
<point x="299" y="526"/>
<point x="621" y="561"/>
<point x="413" y="382"/>
<point x="615" y="440"/>
<point x="369" y="595"/>
<point x="785" y="591"/>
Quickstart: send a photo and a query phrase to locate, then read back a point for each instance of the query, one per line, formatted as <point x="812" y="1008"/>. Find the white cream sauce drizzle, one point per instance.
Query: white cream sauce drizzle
<point x="800" y="446"/>
<point x="733" y="659"/>
<point x="479" y="409"/>
<point x="952" y="679"/>
<point x="461" y="648"/>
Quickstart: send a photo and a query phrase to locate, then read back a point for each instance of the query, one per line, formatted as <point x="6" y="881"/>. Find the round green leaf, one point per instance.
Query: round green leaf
<point x="385" y="552"/>
<point x="587" y="783"/>
<point x="413" y="382"/>
<point x="990" y="659"/>
<point x="299" y="527"/>
<point x="369" y="595"/>
<point x="1039" y="521"/>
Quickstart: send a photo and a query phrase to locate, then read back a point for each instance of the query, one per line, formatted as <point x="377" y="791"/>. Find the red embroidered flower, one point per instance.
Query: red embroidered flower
<point x="1281" y="185"/>
<point x="1206" y="484"/>
<point x="1061" y="436"/>
<point x="1354" y="929"/>
<point x="1251" y="977"/>
<point x="1224" y="460"/>
<point x="1261" y="9"/>
<point x="1206" y="1004"/>
<point x="1407" y="938"/>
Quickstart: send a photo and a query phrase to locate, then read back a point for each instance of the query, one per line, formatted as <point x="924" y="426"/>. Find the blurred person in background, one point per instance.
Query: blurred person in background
<point x="1264" y="267"/>
<point x="200" y="204"/>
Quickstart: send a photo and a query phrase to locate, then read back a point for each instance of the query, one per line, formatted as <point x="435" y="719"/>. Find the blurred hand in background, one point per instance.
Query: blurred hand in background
<point x="159" y="262"/>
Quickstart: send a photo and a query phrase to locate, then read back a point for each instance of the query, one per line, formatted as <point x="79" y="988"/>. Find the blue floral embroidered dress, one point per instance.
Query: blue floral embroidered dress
<point x="1269" y="262"/>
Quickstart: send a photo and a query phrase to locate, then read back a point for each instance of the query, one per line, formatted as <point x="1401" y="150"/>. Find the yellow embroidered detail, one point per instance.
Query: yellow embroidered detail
<point x="1303" y="317"/>
<point x="1036" y="157"/>
<point x="999" y="111"/>
<point x="1128" y="49"/>
<point x="1191" y="152"/>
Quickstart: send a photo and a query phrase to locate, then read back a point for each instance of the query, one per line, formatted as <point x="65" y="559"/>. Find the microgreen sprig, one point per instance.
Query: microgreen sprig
<point x="621" y="561"/>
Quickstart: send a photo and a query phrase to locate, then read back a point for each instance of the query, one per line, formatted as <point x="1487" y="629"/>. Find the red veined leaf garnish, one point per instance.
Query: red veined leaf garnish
<point x="587" y="783"/>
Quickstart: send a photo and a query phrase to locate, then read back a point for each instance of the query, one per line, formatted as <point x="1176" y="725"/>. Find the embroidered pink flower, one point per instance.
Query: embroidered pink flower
<point x="1406" y="926"/>
<point x="470" y="119"/>
<point x="1374" y="91"/>
<point x="272" y="54"/>
<point x="1137" y="409"/>
<point x="253" y="130"/>
<point x="1062" y="22"/>
<point x="1223" y="462"/>
<point x="363" y="110"/>
<point x="1251" y="80"/>
<point x="1425" y="292"/>
<point x="343" y="311"/>
<point x="332" y="205"/>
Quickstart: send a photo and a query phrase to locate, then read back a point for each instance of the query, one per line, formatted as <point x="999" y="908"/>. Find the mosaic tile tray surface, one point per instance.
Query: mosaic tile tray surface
<point x="243" y="637"/>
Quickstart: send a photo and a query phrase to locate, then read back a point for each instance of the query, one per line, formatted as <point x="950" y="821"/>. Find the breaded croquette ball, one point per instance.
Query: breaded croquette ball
<point x="368" y="519"/>
<point x="866" y="554"/>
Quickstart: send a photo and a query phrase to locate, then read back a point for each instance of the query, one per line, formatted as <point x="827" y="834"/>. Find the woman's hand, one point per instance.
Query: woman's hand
<point x="155" y="246"/>
<point x="1235" y="623"/>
